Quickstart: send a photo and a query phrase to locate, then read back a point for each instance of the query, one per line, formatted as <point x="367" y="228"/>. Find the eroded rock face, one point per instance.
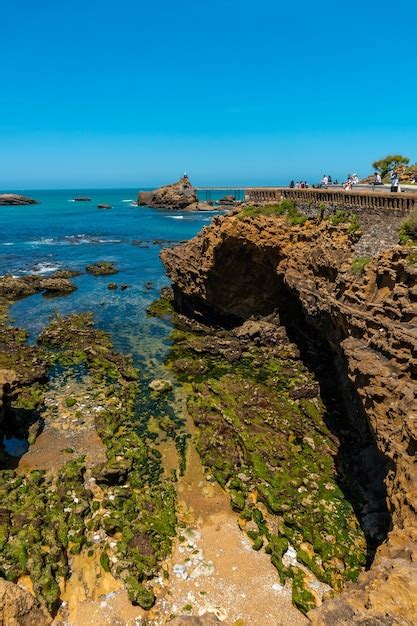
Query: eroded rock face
<point x="180" y="196"/>
<point x="19" y="608"/>
<point x="241" y="268"/>
<point x="9" y="199"/>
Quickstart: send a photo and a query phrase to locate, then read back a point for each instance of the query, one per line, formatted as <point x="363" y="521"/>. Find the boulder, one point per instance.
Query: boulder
<point x="227" y="200"/>
<point x="9" y="199"/>
<point x="160" y="385"/>
<point x="19" y="608"/>
<point x="178" y="196"/>
<point x="200" y="206"/>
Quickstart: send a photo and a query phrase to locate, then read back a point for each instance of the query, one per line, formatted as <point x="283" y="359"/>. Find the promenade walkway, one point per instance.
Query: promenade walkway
<point x="400" y="203"/>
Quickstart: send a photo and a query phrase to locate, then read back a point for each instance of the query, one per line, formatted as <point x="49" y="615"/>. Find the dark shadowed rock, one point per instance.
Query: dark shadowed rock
<point x="9" y="199"/>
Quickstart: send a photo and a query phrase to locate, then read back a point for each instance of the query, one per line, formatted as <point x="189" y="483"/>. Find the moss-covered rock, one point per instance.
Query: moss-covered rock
<point x="263" y="435"/>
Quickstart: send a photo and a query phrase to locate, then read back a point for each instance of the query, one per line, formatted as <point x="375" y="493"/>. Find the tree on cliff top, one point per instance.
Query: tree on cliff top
<point x="390" y="162"/>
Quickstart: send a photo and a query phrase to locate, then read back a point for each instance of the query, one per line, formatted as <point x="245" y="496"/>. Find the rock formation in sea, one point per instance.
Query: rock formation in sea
<point x="178" y="196"/>
<point x="9" y="199"/>
<point x="360" y="314"/>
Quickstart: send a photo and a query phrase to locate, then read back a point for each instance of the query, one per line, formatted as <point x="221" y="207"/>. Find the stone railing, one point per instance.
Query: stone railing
<point x="398" y="203"/>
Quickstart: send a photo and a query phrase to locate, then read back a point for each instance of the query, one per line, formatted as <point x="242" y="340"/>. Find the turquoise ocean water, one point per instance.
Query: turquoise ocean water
<point x="60" y="233"/>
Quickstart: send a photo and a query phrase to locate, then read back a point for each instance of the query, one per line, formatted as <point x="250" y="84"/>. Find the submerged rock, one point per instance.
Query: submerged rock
<point x="160" y="385"/>
<point x="101" y="268"/>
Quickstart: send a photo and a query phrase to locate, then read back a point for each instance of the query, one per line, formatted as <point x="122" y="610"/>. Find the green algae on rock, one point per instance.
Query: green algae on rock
<point x="121" y="507"/>
<point x="137" y="505"/>
<point x="263" y="436"/>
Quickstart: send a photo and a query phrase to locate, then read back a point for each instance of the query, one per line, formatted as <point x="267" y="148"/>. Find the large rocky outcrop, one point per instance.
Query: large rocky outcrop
<point x="178" y="196"/>
<point x="365" y="312"/>
<point x="8" y="199"/>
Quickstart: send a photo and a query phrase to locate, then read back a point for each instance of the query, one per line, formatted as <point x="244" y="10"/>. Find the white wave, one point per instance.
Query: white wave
<point x="8" y="243"/>
<point x="84" y="239"/>
<point x="44" y="241"/>
<point x="130" y="200"/>
<point x="175" y="217"/>
<point x="71" y="200"/>
<point x="45" y="268"/>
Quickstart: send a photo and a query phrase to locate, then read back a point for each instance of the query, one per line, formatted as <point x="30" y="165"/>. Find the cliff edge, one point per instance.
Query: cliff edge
<point x="364" y="311"/>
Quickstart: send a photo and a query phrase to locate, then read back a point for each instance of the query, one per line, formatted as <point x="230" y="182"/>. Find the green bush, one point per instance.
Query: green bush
<point x="359" y="264"/>
<point x="267" y="209"/>
<point x="408" y="230"/>
<point x="295" y="217"/>
<point x="342" y="217"/>
<point x="412" y="258"/>
<point x="285" y="207"/>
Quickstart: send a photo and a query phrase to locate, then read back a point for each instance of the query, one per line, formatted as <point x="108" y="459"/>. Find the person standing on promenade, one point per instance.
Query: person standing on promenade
<point x="395" y="182"/>
<point x="292" y="184"/>
<point x="377" y="179"/>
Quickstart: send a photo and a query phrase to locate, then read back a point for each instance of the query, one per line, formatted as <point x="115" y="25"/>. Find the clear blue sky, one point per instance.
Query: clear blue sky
<point x="132" y="93"/>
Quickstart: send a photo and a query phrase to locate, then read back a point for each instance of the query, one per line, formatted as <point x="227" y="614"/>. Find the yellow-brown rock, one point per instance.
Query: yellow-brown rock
<point x="19" y="608"/>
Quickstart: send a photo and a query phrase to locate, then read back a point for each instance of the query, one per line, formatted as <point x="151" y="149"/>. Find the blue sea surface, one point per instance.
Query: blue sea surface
<point x="61" y="233"/>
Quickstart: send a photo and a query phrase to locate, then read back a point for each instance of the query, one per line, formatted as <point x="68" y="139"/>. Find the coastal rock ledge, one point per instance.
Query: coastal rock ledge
<point x="246" y="267"/>
<point x="11" y="199"/>
<point x="180" y="196"/>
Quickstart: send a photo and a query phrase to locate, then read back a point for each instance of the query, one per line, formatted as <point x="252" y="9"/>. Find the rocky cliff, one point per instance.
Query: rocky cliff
<point x="362" y="312"/>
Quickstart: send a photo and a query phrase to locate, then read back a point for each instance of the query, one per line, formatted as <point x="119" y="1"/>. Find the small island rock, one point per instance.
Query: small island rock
<point x="178" y="196"/>
<point x="11" y="199"/>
